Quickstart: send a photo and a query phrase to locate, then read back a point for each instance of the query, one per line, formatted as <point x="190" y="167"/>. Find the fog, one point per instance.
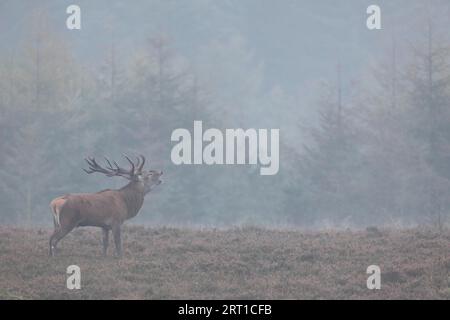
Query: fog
<point x="363" y="114"/>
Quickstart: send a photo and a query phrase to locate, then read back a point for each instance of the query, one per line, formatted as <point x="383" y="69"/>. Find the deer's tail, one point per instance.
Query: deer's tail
<point x="56" y="206"/>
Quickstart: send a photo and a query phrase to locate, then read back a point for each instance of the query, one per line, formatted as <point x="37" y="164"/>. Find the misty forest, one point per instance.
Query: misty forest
<point x="364" y="115"/>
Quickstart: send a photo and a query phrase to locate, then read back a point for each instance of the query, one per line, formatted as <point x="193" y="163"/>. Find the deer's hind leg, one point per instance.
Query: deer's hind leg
<point x="57" y="235"/>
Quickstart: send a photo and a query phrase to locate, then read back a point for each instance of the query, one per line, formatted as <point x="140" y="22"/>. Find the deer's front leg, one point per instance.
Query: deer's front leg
<point x="117" y="240"/>
<point x="105" y="240"/>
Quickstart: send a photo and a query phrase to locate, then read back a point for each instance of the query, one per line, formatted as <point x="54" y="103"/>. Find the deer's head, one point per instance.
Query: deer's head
<point x="143" y="179"/>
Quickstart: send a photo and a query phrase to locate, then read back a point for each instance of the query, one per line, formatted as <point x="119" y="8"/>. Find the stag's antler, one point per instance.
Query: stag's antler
<point x="140" y="165"/>
<point x="113" y="169"/>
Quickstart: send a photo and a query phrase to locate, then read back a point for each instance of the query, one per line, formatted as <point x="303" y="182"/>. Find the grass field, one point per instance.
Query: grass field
<point x="244" y="263"/>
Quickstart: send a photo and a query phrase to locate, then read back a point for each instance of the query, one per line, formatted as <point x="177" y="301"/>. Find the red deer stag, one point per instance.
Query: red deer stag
<point x="107" y="209"/>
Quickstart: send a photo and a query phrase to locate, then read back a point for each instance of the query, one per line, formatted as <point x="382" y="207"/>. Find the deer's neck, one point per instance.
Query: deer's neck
<point x="133" y="195"/>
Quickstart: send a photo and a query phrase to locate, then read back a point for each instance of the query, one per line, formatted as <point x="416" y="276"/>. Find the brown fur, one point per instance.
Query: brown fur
<point x="107" y="209"/>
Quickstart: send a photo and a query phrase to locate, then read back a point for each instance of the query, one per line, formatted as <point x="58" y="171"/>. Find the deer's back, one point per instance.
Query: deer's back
<point x="101" y="209"/>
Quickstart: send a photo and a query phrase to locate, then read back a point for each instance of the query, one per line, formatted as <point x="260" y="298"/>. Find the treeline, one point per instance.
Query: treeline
<point x="383" y="156"/>
<point x="56" y="109"/>
<point x="379" y="154"/>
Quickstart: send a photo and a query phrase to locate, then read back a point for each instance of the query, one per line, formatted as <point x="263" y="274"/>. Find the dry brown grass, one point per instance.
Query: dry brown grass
<point x="244" y="263"/>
